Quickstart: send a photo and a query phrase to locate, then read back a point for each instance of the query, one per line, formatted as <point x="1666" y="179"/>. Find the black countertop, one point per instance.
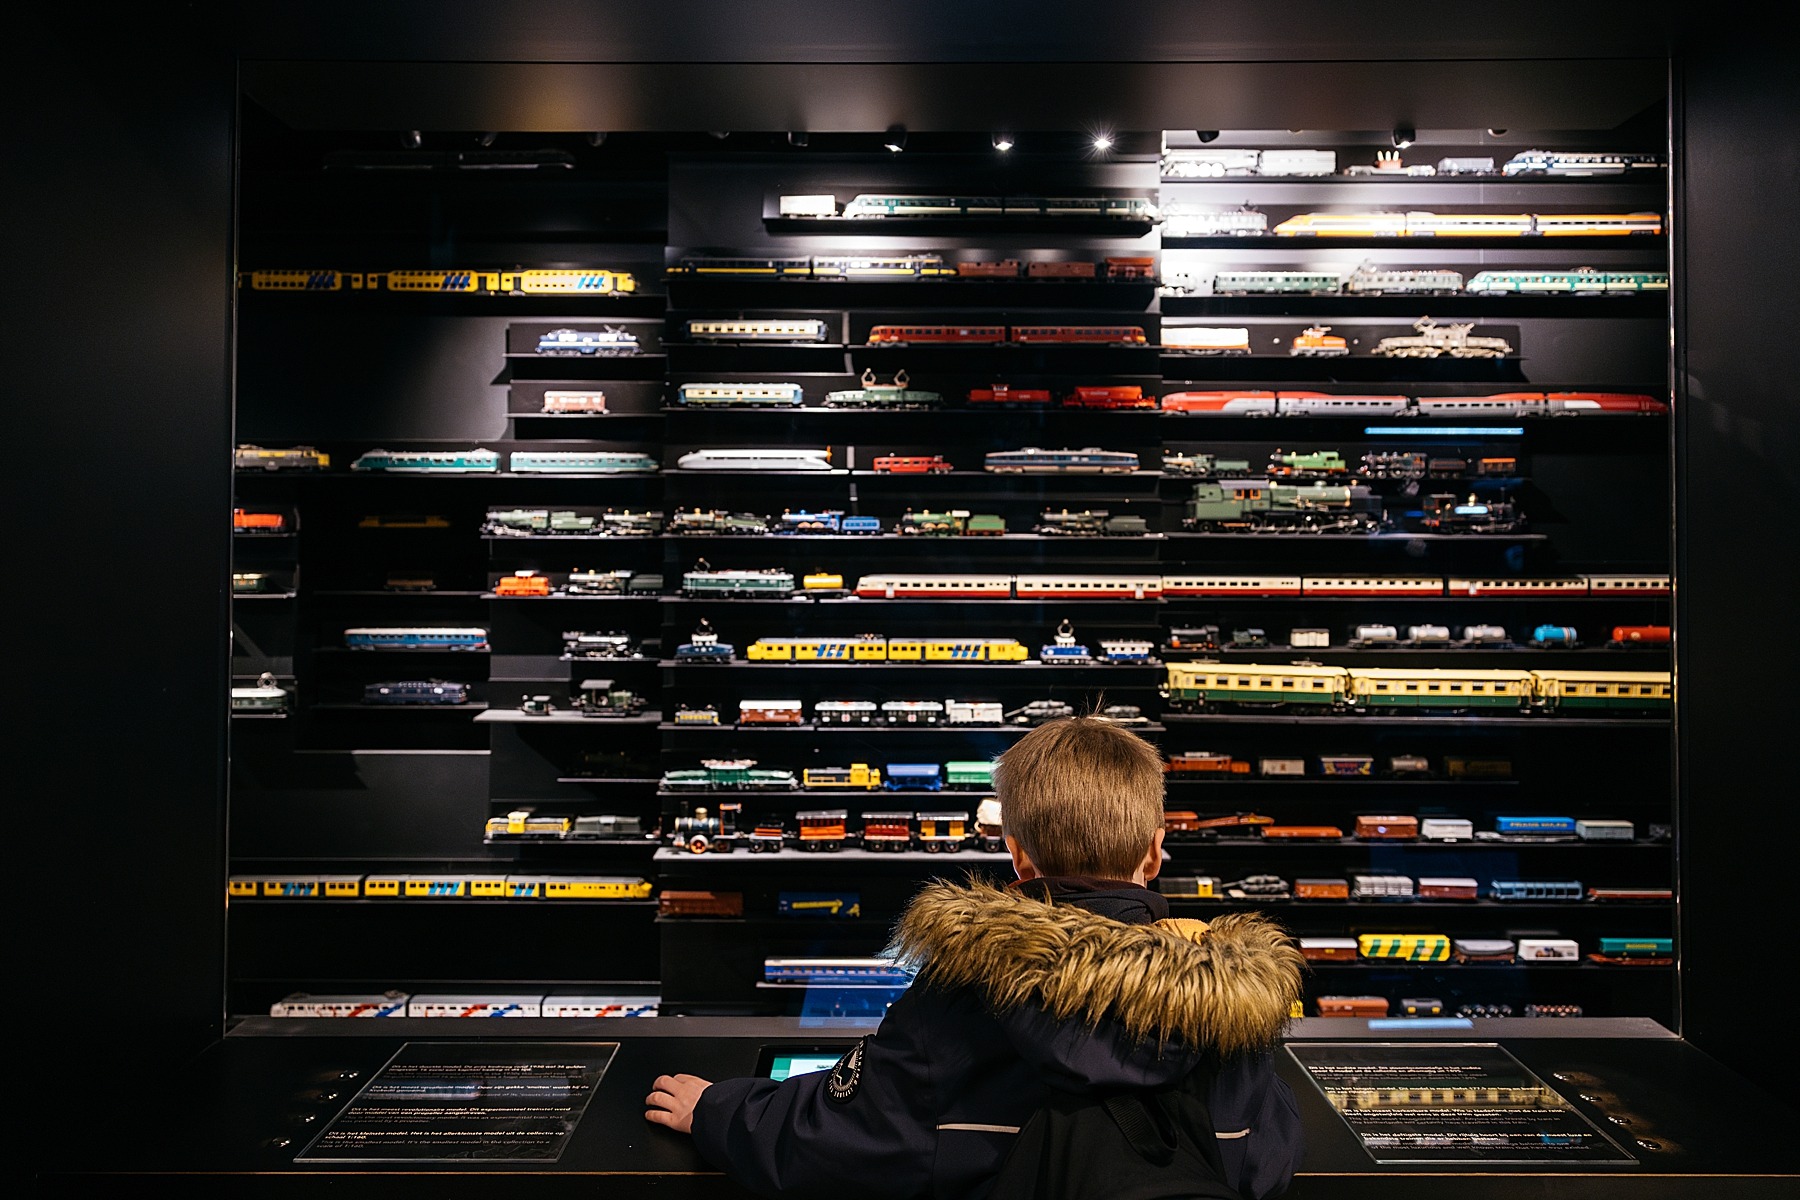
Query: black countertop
<point x="237" y="1117"/>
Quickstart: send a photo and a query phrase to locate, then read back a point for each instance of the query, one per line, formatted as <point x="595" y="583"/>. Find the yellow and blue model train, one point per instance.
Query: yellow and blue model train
<point x="875" y="648"/>
<point x="569" y="282"/>
<point x="442" y="886"/>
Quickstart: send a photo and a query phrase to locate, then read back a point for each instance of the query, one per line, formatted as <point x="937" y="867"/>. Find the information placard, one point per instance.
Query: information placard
<point x="500" y="1102"/>
<point x="1451" y="1102"/>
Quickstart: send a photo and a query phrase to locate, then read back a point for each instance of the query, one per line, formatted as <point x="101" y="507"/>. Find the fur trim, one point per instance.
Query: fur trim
<point x="1228" y="985"/>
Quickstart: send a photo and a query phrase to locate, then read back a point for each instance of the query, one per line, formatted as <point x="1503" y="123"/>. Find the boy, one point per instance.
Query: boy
<point x="1070" y="980"/>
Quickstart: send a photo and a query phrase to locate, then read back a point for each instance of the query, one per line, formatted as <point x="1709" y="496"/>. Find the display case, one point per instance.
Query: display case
<point x="1346" y="486"/>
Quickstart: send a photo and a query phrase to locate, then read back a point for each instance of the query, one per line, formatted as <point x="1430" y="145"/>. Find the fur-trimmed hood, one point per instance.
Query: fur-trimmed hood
<point x="1226" y="986"/>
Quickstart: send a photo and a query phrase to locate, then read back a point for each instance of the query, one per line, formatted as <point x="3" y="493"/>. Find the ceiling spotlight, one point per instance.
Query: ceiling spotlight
<point x="1497" y="132"/>
<point x="797" y="137"/>
<point x="721" y="134"/>
<point x="895" y="138"/>
<point x="411" y="139"/>
<point x="486" y="139"/>
<point x="1103" y="142"/>
<point x="1207" y="135"/>
<point x="1003" y="142"/>
<point x="1404" y="136"/>
<point x="597" y="137"/>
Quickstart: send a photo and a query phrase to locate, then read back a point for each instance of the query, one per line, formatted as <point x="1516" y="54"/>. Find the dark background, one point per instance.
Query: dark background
<point x="120" y="219"/>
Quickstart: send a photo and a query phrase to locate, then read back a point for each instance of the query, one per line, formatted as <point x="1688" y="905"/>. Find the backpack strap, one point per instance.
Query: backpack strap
<point x="1147" y="1136"/>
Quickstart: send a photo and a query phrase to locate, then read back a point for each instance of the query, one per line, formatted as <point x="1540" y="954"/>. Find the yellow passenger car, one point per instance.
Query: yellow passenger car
<point x="1192" y="686"/>
<point x="1381" y="688"/>
<point x="1576" y="690"/>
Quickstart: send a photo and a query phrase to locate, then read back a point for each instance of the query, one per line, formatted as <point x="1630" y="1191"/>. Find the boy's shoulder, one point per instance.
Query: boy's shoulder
<point x="1227" y="985"/>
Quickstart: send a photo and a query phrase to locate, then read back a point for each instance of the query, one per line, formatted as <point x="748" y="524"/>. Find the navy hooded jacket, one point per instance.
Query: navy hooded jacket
<point x="1079" y="985"/>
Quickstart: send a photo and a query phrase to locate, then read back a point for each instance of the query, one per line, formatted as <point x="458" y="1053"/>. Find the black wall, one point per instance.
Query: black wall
<point x="119" y="209"/>
<point x="119" y="195"/>
<point x="1737" y="561"/>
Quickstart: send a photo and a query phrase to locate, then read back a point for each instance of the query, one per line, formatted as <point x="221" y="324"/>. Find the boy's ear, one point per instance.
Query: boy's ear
<point x="1153" y="859"/>
<point x="1023" y="867"/>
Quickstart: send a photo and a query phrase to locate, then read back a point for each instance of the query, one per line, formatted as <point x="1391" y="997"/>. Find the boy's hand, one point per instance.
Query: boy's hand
<point x="672" y="1103"/>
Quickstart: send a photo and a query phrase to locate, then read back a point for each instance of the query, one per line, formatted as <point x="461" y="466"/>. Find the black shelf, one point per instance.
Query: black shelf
<point x="1303" y="535"/>
<point x="435" y="593"/>
<point x="622" y="780"/>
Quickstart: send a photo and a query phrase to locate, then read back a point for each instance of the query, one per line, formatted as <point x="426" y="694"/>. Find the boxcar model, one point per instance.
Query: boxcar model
<point x="1005" y="395"/>
<point x="886" y="830"/>
<point x="1408" y="947"/>
<point x="564" y="402"/>
<point x="244" y="520"/>
<point x="912" y="712"/>
<point x="845" y="712"/>
<point x="943" y="832"/>
<point x="770" y="712"/>
<point x="912" y="777"/>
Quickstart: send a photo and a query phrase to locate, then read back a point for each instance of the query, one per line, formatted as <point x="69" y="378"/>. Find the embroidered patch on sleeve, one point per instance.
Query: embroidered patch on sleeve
<point x="846" y="1077"/>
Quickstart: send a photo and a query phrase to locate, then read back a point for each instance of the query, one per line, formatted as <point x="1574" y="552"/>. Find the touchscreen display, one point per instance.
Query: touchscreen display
<point x="783" y="1066"/>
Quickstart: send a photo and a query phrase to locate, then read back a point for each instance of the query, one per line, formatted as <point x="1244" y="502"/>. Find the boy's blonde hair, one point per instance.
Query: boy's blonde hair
<point x="1082" y="796"/>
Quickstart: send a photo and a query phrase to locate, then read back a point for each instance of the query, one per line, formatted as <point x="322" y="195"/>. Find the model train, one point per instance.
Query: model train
<point x="1369" y="280"/>
<point x="1089" y="460"/>
<point x="1323" y="404"/>
<point x="581" y="462"/>
<point x="415" y="638"/>
<point x="1072" y="586"/>
<point x="378" y="886"/>
<point x="395" y="1003"/>
<point x="1469" y="224"/>
<point x="1199" y="687"/>
<point x="608" y="341"/>
<point x="1260" y="505"/>
<point x="877" y="206"/>
<point x="422" y="462"/>
<point x="293" y="458"/>
<point x="876" y="648"/>
<point x="975" y="335"/>
<point x="1613" y="585"/>
<point x="551" y="282"/>
<point x="911" y="266"/>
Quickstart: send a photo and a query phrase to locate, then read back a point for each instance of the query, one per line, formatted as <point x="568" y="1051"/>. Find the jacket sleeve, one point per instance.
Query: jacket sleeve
<point x="1258" y="1123"/>
<point x="795" y="1139"/>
